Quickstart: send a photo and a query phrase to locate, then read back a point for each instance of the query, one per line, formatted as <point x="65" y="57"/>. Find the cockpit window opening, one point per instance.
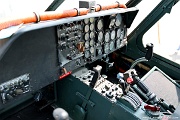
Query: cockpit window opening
<point x="9" y="8"/>
<point x="75" y="3"/>
<point x="165" y="36"/>
<point x="145" y="7"/>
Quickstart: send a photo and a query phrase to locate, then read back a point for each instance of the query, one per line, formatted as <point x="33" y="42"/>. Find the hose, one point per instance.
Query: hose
<point x="99" y="7"/>
<point x="34" y="17"/>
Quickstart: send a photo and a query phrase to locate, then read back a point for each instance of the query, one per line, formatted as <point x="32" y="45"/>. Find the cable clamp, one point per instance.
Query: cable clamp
<point x="78" y="11"/>
<point x="38" y="19"/>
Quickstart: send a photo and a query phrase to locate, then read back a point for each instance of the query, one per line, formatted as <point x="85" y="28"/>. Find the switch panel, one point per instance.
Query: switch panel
<point x="15" y="87"/>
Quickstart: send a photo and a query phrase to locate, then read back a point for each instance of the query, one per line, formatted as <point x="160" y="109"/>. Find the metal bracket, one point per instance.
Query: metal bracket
<point x="89" y="102"/>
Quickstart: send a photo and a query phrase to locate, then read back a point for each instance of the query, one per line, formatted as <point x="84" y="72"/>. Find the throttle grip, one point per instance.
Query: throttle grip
<point x="149" y="53"/>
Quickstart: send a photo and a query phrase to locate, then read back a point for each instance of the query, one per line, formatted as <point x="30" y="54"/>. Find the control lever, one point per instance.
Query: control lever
<point x="96" y="76"/>
<point x="131" y="78"/>
<point x="149" y="53"/>
<point x="125" y="87"/>
<point x="140" y="84"/>
<point x="148" y="56"/>
<point x="81" y="110"/>
<point x="152" y="98"/>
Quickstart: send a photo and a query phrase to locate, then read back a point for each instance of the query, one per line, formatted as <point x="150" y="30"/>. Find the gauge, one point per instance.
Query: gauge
<point x="113" y="35"/>
<point x="92" y="35"/>
<point x="91" y="50"/>
<point x="118" y="33"/>
<point x="80" y="27"/>
<point x="100" y="24"/>
<point x="99" y="52"/>
<point x="73" y="27"/>
<point x="118" y="20"/>
<point x="91" y="20"/>
<point x="86" y="54"/>
<point x="106" y="37"/>
<point x="91" y="42"/>
<point x="111" y="46"/>
<point x="87" y="44"/>
<point x="100" y="36"/>
<point x="122" y="34"/>
<point x="112" y="22"/>
<point x="86" y="28"/>
<point x="86" y="21"/>
<point x="92" y="27"/>
<point x="86" y="36"/>
<point x="106" y="48"/>
<point x="118" y="43"/>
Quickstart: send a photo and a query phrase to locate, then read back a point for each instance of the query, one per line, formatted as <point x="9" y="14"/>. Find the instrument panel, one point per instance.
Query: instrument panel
<point x="39" y="51"/>
<point x="84" y="41"/>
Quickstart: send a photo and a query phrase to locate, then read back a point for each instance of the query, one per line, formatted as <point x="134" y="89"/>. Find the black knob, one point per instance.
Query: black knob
<point x="149" y="53"/>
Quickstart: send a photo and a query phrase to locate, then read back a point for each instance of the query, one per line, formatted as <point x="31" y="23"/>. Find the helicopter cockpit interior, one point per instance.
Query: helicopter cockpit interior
<point x="81" y="64"/>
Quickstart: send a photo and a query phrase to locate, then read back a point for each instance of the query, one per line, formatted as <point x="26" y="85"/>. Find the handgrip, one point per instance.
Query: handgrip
<point x="94" y="79"/>
<point x="149" y="53"/>
<point x="141" y="85"/>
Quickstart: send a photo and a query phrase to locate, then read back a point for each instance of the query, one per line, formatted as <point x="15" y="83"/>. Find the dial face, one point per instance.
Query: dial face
<point x="91" y="20"/>
<point x="86" y="28"/>
<point x="112" y="23"/>
<point x="76" y="27"/>
<point x="118" y="33"/>
<point x="87" y="44"/>
<point x="122" y="34"/>
<point x="111" y="46"/>
<point x="91" y="50"/>
<point x="100" y="36"/>
<point x="86" y="21"/>
<point x="106" y="37"/>
<point x="86" y="36"/>
<point x="91" y="42"/>
<point x="92" y="35"/>
<point x="86" y="54"/>
<point x="92" y="27"/>
<point x="118" y="20"/>
<point x="80" y="27"/>
<point x="118" y="43"/>
<point x="113" y="35"/>
<point x="99" y="52"/>
<point x="106" y="48"/>
<point x="100" y="24"/>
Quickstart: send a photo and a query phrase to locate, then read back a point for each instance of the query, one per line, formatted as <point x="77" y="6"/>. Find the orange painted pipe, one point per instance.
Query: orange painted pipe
<point x="33" y="17"/>
<point x="50" y="15"/>
<point x="98" y="7"/>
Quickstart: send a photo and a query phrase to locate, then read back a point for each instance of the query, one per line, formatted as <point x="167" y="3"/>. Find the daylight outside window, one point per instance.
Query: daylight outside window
<point x="10" y="8"/>
<point x="165" y="36"/>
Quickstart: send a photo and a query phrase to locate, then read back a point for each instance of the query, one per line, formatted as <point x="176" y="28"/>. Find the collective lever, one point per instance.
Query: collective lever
<point x="131" y="78"/>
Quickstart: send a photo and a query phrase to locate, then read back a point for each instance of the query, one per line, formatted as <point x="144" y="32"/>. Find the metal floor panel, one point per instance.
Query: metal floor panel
<point x="163" y="88"/>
